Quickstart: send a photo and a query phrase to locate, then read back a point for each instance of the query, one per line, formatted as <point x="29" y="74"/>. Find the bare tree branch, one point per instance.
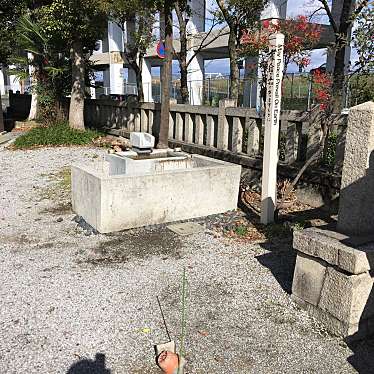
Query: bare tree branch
<point x="315" y="12"/>
<point x="203" y="45"/>
<point x="329" y="14"/>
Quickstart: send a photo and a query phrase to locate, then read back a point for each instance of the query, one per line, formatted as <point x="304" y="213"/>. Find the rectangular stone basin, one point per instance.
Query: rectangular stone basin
<point x="127" y="191"/>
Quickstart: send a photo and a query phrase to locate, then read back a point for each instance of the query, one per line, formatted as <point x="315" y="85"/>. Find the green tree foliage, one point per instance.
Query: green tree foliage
<point x="10" y="10"/>
<point x="363" y="40"/>
<point x="74" y="26"/>
<point x="30" y="59"/>
<point x="349" y="12"/>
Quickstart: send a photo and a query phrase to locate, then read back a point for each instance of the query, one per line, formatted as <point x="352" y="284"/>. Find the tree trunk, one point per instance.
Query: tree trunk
<point x="184" y="80"/>
<point x="342" y="40"/>
<point x="234" y="69"/>
<point x="139" y="77"/>
<point x="166" y="77"/>
<point x="1" y="116"/>
<point x="139" y="85"/>
<point x="183" y="66"/>
<point x="326" y="124"/>
<point x="76" y="111"/>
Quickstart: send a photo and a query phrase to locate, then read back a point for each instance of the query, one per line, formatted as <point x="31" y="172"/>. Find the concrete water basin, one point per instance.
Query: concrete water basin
<point x="125" y="190"/>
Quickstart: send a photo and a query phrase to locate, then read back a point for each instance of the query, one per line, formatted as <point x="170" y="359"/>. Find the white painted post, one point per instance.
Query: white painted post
<point x="272" y="114"/>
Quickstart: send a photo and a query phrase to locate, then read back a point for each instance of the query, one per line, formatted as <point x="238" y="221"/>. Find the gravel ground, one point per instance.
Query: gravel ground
<point x="69" y="301"/>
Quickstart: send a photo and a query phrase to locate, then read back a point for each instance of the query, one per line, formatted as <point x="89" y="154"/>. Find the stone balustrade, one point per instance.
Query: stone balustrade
<point x="225" y="128"/>
<point x="224" y="132"/>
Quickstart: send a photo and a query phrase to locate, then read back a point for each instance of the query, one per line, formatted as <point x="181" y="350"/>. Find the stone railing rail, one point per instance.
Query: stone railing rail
<point x="232" y="130"/>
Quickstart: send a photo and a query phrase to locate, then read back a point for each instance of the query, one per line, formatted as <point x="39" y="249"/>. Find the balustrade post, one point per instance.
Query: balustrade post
<point x="223" y="124"/>
<point x="237" y="135"/>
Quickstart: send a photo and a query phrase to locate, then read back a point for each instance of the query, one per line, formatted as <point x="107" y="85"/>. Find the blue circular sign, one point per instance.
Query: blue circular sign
<point x="160" y="50"/>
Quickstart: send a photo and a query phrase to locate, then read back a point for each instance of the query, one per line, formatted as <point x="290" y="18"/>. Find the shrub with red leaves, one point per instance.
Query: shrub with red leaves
<point x="300" y="37"/>
<point x="322" y="89"/>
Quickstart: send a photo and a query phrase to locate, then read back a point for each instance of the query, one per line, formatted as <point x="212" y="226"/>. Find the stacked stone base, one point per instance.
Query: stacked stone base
<point x="333" y="281"/>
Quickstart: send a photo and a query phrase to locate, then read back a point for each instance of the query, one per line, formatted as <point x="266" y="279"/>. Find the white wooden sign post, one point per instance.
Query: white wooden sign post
<point x="272" y="114"/>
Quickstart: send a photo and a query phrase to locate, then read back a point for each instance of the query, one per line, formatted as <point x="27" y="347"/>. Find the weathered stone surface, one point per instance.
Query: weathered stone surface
<point x="356" y="197"/>
<point x="358" y="331"/>
<point x="126" y="198"/>
<point x="342" y="301"/>
<point x="345" y="296"/>
<point x="332" y="324"/>
<point x="330" y="246"/>
<point x="308" y="278"/>
<point x="311" y="242"/>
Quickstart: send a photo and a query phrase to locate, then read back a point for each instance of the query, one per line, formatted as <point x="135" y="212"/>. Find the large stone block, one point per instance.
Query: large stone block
<point x="334" y="248"/>
<point x="333" y="281"/>
<point x="357" y="197"/>
<point x="346" y="307"/>
<point x="345" y="296"/>
<point x="308" y="278"/>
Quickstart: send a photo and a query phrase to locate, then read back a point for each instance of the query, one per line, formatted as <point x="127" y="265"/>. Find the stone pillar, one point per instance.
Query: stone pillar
<point x="196" y="69"/>
<point x="250" y="82"/>
<point x="115" y="44"/>
<point x="333" y="276"/>
<point x="356" y="205"/>
<point x="223" y="125"/>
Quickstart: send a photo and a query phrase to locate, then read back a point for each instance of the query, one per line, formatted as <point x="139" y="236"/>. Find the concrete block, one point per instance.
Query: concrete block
<point x="142" y="140"/>
<point x="114" y="202"/>
<point x="345" y="296"/>
<point x="308" y="278"/>
<point x="334" y="248"/>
